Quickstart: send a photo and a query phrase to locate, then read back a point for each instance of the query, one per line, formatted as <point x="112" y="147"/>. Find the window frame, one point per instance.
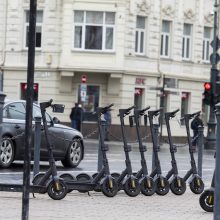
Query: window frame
<point x="187" y="43"/>
<point x="104" y="28"/>
<point x="139" y="31"/>
<point x="163" y="37"/>
<point x="206" y="42"/>
<point x="38" y="24"/>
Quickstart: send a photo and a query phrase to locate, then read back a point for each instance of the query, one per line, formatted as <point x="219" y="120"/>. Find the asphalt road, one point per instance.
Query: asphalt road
<point x="117" y="161"/>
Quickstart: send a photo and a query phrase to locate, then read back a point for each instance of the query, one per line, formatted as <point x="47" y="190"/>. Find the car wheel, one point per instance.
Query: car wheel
<point x="7" y="151"/>
<point x="74" y="154"/>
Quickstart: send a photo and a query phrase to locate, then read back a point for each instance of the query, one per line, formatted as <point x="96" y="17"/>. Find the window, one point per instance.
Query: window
<point x="165" y="39"/>
<point x="206" y="44"/>
<point x="186" y="44"/>
<point x="140" y="35"/>
<point x="91" y="102"/>
<point x="94" y="30"/>
<point x="14" y="111"/>
<point x="184" y="105"/>
<point x="39" y="21"/>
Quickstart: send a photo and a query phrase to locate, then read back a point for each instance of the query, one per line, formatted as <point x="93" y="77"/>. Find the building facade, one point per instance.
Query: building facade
<point x="143" y="52"/>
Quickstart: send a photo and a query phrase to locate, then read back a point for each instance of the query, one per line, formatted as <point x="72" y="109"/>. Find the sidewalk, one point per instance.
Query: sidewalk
<point x="98" y="207"/>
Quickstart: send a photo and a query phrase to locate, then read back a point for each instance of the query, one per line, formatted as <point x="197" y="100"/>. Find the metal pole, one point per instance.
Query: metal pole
<point x="200" y="149"/>
<point x="211" y="137"/>
<point x="29" y="108"/>
<point x="100" y="158"/>
<point x="155" y="133"/>
<point x="37" y="140"/>
<point x="217" y="168"/>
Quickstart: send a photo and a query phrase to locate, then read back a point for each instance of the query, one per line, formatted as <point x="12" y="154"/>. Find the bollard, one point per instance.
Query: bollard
<point x="100" y="158"/>
<point x="37" y="141"/>
<point x="200" y="144"/>
<point x="217" y="167"/>
<point x="155" y="133"/>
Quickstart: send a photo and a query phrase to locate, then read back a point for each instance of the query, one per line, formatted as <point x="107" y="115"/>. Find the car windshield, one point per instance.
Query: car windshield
<point x="16" y="110"/>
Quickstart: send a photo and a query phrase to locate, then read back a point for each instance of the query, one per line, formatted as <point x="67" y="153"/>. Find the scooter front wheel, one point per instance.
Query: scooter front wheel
<point x="147" y="185"/>
<point x="162" y="186"/>
<point x="109" y="187"/>
<point x="197" y="185"/>
<point x="178" y="186"/>
<point x="57" y="191"/>
<point x="131" y="187"/>
<point x="68" y="178"/>
<point x="206" y="200"/>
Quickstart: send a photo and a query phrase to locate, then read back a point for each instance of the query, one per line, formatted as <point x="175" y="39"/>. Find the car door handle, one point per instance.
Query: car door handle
<point x="17" y="126"/>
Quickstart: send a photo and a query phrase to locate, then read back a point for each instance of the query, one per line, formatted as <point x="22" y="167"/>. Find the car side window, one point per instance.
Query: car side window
<point x="14" y="110"/>
<point x="37" y="113"/>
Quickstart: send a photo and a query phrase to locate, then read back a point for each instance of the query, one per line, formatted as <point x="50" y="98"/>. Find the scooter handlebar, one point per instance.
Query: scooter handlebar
<point x="45" y="105"/>
<point x="144" y="110"/>
<point x="154" y="113"/>
<point x="124" y="112"/>
<point x="190" y="116"/>
<point x="171" y="114"/>
<point x="105" y="109"/>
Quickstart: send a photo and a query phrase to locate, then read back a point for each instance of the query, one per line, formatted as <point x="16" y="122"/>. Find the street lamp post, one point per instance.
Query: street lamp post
<point x="211" y="136"/>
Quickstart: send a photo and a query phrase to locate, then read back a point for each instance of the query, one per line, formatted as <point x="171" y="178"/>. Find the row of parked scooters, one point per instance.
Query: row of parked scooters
<point x="142" y="181"/>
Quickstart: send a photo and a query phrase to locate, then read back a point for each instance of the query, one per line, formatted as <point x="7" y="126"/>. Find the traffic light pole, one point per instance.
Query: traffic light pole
<point x="211" y="135"/>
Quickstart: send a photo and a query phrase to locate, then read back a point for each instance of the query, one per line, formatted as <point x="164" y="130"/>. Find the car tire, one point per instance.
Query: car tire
<point x="73" y="155"/>
<point x="7" y="151"/>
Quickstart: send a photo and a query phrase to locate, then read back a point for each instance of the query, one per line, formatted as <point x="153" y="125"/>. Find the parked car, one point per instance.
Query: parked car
<point x="67" y="142"/>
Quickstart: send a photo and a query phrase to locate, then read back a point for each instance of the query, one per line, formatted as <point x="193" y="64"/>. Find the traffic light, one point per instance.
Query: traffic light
<point x="207" y="94"/>
<point x="84" y="79"/>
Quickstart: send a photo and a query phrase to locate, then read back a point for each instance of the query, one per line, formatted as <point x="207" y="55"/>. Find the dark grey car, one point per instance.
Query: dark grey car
<point x="67" y="142"/>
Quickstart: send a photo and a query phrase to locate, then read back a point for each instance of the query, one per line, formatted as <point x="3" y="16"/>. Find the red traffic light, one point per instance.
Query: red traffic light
<point x="207" y="86"/>
<point x="84" y="79"/>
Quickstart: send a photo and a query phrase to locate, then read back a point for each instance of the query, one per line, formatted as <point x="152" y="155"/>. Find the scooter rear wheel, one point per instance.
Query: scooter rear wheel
<point x="162" y="186"/>
<point x="68" y="177"/>
<point x="147" y="185"/>
<point x="206" y="200"/>
<point x="109" y="187"/>
<point x="131" y="186"/>
<point x="37" y="178"/>
<point x="178" y="186"/>
<point x="83" y="177"/>
<point x="197" y="185"/>
<point x="57" y="194"/>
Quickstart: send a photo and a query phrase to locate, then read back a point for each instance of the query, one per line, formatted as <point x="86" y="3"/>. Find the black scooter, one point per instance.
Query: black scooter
<point x="177" y="183"/>
<point x="103" y="180"/>
<point x="146" y="182"/>
<point x="162" y="184"/>
<point x="44" y="182"/>
<point x="126" y="180"/>
<point x="195" y="182"/>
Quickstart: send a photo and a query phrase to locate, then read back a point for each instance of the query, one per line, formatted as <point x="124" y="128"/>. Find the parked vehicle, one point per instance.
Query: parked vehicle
<point x="67" y="142"/>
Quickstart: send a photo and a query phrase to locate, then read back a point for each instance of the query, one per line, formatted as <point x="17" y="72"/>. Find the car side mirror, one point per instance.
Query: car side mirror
<point x="56" y="120"/>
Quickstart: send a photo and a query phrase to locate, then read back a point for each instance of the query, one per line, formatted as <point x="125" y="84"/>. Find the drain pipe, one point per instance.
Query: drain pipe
<point x="4" y="46"/>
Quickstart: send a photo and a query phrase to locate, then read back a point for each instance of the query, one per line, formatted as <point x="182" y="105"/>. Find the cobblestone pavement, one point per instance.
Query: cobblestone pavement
<point x="96" y="206"/>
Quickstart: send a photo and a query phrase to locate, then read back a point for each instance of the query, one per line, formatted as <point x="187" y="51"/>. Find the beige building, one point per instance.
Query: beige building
<point x="126" y="50"/>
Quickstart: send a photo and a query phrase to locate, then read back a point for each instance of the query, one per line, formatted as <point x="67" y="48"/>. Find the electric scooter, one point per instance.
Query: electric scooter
<point x="44" y="182"/>
<point x="162" y="184"/>
<point x="126" y="180"/>
<point x="195" y="182"/>
<point x="103" y="180"/>
<point x="177" y="183"/>
<point x="146" y="182"/>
